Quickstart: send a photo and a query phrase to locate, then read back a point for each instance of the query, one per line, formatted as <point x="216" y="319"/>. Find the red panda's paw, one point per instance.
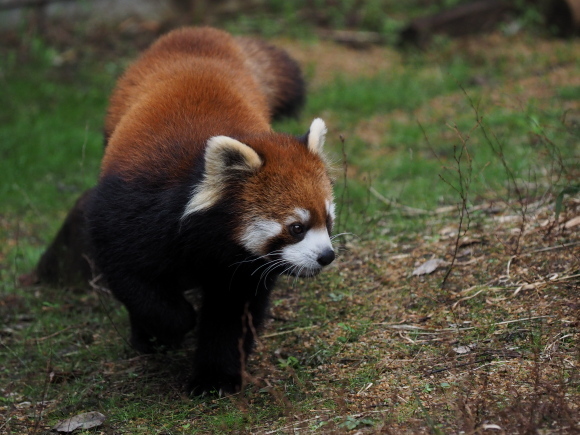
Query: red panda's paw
<point x="153" y="345"/>
<point x="214" y="386"/>
<point x="164" y="340"/>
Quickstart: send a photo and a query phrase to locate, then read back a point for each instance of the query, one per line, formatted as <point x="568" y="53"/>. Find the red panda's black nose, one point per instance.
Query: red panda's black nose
<point x="326" y="257"/>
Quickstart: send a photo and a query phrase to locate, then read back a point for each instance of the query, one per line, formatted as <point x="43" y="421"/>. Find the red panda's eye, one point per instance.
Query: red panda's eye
<point x="296" y="229"/>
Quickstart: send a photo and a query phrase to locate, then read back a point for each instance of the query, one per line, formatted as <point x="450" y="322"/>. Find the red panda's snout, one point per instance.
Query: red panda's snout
<point x="312" y="248"/>
<point x="299" y="245"/>
<point x="304" y="254"/>
<point x="310" y="255"/>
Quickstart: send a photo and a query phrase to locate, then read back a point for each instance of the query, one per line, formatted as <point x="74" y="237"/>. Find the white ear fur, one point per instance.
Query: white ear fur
<point x="316" y="136"/>
<point x="223" y="154"/>
<point x="224" y="157"/>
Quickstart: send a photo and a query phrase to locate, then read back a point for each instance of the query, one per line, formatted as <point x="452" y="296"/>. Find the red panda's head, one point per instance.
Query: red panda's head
<point x="284" y="200"/>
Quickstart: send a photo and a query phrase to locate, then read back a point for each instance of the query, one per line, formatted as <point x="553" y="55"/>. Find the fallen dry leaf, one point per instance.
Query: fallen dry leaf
<point x="572" y="222"/>
<point x="429" y="266"/>
<point x="85" y="420"/>
<point x="462" y="349"/>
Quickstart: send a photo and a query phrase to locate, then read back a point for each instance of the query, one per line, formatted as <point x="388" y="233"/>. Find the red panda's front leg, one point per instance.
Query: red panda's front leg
<point x="159" y="318"/>
<point x="226" y="332"/>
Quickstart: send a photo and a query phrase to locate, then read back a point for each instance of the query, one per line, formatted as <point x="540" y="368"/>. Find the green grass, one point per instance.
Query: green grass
<point x="51" y="143"/>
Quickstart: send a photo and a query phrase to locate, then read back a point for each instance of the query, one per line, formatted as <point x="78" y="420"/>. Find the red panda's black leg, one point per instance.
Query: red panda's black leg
<point x="158" y="320"/>
<point x="227" y="326"/>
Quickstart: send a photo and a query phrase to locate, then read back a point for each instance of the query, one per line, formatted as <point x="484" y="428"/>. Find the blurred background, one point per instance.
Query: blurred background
<point x="270" y="17"/>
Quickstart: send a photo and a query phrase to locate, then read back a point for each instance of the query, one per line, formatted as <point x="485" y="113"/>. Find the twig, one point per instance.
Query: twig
<point x="418" y="328"/>
<point x="564" y="278"/>
<point x="467" y="290"/>
<point x="509" y="265"/>
<point x="52" y="335"/>
<point x="522" y="320"/>
<point x="363" y="389"/>
<point x="463" y="191"/>
<point x="444" y="369"/>
<point x="467" y="298"/>
<point x="38" y="417"/>
<point x="409" y="210"/>
<point x="485" y="357"/>
<point x="6" y="422"/>
<point x="555" y="340"/>
<point x="99" y="288"/>
<point x="403" y="326"/>
<point x="551" y="248"/>
<point x="290" y="331"/>
<point x="409" y="339"/>
<point x="361" y="414"/>
<point x="490" y="364"/>
<point x="292" y="425"/>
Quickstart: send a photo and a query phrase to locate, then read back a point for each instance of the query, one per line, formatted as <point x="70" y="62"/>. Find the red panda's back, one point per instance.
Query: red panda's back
<point x="189" y="86"/>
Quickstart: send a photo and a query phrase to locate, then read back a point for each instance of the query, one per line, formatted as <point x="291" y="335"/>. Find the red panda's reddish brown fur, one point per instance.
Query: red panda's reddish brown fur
<point x="277" y="75"/>
<point x="246" y="78"/>
<point x="145" y="100"/>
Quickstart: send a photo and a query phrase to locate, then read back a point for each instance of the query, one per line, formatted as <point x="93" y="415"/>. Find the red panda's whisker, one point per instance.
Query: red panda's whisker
<point x="342" y="234"/>
<point x="239" y="263"/>
<point x="289" y="268"/>
<point x="271" y="267"/>
<point x="268" y="264"/>
<point x="251" y="260"/>
<point x="297" y="275"/>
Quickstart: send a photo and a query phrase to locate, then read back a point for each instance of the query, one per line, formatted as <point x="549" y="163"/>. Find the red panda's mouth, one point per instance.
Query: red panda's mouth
<point x="303" y="272"/>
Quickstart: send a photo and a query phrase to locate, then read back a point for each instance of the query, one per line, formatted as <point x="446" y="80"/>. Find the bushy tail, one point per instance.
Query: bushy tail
<point x="278" y="74"/>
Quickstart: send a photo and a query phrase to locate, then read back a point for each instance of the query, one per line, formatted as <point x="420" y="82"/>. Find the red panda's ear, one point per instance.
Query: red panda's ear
<point x="224" y="155"/>
<point x="316" y="136"/>
<point x="225" y="160"/>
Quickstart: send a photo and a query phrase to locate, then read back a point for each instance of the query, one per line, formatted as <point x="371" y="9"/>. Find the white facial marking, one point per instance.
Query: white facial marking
<point x="304" y="254"/>
<point x="330" y="209"/>
<point x="316" y="136"/>
<point x="257" y="234"/>
<point x="300" y="215"/>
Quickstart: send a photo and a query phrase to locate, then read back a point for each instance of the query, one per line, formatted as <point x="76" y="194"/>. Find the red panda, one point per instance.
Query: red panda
<point x="197" y="192"/>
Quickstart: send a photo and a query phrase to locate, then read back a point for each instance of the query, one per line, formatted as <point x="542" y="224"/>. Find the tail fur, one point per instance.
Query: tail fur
<point x="278" y="75"/>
